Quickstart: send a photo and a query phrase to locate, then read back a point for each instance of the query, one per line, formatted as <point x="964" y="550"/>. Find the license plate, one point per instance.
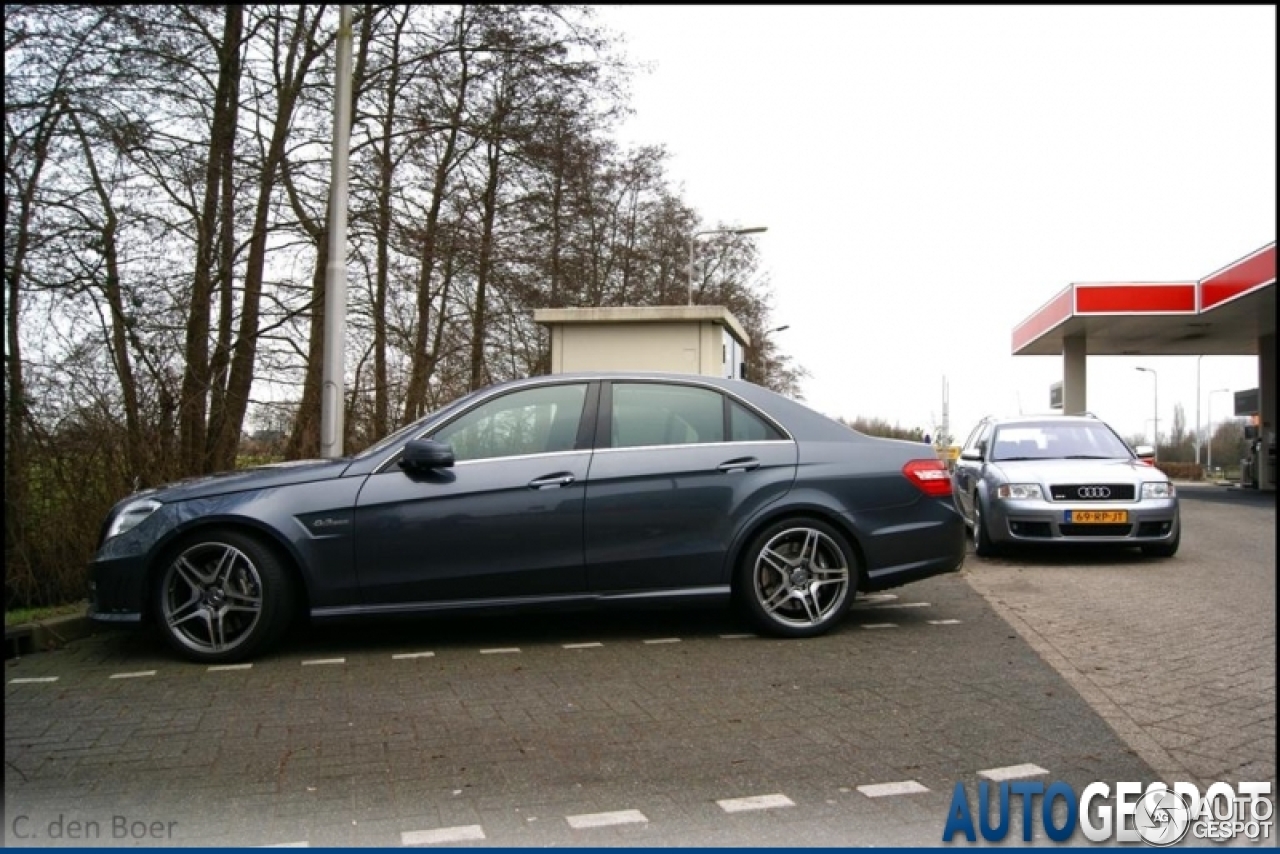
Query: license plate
<point x="1096" y="517"/>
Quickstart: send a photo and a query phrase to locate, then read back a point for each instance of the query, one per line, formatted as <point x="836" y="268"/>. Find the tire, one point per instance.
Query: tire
<point x="982" y="544"/>
<point x="1168" y="549"/>
<point x="222" y="596"/>
<point x="797" y="578"/>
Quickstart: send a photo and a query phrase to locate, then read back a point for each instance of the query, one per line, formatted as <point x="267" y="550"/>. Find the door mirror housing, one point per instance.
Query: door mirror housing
<point x="972" y="455"/>
<point x="1145" y="452"/>
<point x="422" y="455"/>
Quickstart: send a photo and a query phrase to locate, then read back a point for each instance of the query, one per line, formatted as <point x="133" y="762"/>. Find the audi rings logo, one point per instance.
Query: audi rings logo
<point x="1093" y="492"/>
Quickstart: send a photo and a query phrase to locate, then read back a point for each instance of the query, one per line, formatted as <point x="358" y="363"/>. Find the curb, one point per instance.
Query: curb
<point x="54" y="633"/>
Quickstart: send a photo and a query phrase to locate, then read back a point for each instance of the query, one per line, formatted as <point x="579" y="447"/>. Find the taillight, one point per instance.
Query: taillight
<point x="930" y="476"/>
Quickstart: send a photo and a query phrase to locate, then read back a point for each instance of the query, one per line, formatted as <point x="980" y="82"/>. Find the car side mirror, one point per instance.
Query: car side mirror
<point x="1145" y="452"/>
<point x="972" y="455"/>
<point x="425" y="454"/>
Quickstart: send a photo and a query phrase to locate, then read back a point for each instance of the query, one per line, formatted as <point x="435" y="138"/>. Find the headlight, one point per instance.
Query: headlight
<point x="1019" y="490"/>
<point x="131" y="515"/>
<point x="1162" y="489"/>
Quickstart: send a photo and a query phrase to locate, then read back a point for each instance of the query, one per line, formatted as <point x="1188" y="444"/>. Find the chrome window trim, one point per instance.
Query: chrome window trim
<point x="696" y="445"/>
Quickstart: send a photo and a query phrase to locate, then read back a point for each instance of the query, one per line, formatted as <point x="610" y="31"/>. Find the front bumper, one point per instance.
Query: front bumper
<point x="117" y="589"/>
<point x="1152" y="520"/>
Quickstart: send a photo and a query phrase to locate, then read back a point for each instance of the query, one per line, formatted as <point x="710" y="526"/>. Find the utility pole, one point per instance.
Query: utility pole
<point x="335" y="280"/>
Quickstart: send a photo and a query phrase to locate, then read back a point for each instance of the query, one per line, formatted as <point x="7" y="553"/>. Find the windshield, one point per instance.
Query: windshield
<point x="410" y="430"/>
<point x="1060" y="440"/>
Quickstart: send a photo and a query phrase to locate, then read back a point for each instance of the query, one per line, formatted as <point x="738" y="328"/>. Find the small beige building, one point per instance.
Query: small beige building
<point x="695" y="339"/>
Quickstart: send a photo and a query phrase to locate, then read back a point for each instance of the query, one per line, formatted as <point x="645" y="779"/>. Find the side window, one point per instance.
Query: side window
<point x="978" y="440"/>
<point x="971" y="444"/>
<point x="646" y="414"/>
<point x="532" y="421"/>
<point x="746" y="426"/>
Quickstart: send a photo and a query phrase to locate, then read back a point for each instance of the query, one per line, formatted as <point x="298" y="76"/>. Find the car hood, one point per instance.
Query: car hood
<point x="259" y="477"/>
<point x="1079" y="471"/>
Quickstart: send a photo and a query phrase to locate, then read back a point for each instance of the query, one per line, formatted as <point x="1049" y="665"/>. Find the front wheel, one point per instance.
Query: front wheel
<point x="797" y="578"/>
<point x="222" y="596"/>
<point x="982" y="544"/>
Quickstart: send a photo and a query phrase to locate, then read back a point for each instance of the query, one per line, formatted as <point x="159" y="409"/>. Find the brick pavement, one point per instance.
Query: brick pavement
<point x="1179" y="655"/>
<point x="364" y="748"/>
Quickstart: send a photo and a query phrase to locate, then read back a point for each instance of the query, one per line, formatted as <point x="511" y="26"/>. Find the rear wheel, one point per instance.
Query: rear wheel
<point x="222" y="596"/>
<point x="797" y="578"/>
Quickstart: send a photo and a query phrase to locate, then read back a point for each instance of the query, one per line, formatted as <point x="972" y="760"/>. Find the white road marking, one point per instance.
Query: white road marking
<point x="880" y="625"/>
<point x="312" y="661"/>
<point x="287" y="845"/>
<point x="443" y="835"/>
<point x="30" y="680"/>
<point x="134" y="675"/>
<point x="1012" y="772"/>
<point x="506" y="650"/>
<point x="216" y="667"/>
<point x="880" y="790"/>
<point x="664" y="640"/>
<point x="591" y="645"/>
<point x="877" y="597"/>
<point x="943" y="622"/>
<point x="606" y="819"/>
<point x="889" y="605"/>
<point x="401" y="656"/>
<point x="736" y="637"/>
<point x="755" y="802"/>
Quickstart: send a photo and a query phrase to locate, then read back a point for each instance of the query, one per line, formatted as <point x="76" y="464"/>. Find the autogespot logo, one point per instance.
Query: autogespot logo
<point x="1159" y="815"/>
<point x="1162" y="817"/>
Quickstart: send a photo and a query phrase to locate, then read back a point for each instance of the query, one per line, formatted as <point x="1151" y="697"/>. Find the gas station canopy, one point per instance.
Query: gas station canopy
<point x="1223" y="314"/>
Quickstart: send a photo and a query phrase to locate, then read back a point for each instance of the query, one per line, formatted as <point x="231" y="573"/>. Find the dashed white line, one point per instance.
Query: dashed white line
<point x="879" y="625"/>
<point x="1012" y="772"/>
<point x="664" y="640"/>
<point x="877" y="597"/>
<point x="31" y="680"/>
<point x="880" y="790"/>
<point x="287" y="845"/>
<point x="401" y="656"/>
<point x="606" y="819"/>
<point x="755" y="802"/>
<point x="443" y="835"/>
<point x="505" y="650"/>
<point x="315" y="661"/>
<point x="591" y="645"/>
<point x="943" y="622"/>
<point x="134" y="675"/>
<point x="217" y="667"/>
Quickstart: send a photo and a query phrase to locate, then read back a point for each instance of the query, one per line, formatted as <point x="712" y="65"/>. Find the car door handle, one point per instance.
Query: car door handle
<point x="552" y="481"/>
<point x="743" y="464"/>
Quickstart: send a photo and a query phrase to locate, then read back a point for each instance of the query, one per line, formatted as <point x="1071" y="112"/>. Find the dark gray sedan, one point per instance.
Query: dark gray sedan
<point x="560" y="490"/>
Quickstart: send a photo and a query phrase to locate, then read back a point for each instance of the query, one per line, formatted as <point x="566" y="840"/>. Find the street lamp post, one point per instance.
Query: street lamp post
<point x="1209" y="456"/>
<point x="1155" y="406"/>
<point x="692" y="246"/>
<point x="1199" y="435"/>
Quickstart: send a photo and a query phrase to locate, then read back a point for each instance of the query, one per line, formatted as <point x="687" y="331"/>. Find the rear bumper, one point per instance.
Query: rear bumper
<point x="902" y="545"/>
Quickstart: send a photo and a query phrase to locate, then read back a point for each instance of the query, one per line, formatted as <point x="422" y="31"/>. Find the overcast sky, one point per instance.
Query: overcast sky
<point x="930" y="176"/>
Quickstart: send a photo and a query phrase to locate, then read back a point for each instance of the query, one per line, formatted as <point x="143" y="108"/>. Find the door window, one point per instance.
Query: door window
<point x="531" y="421"/>
<point x="646" y="414"/>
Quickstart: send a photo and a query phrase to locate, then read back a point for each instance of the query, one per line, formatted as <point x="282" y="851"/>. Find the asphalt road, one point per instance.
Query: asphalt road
<point x="656" y="728"/>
